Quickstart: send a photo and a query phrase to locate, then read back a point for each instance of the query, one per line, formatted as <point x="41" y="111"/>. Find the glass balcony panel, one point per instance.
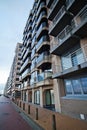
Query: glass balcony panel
<point x="44" y="24"/>
<point x="57" y="17"/>
<point x="43" y="76"/>
<point x="73" y="59"/>
<point x="69" y="2"/>
<point x="43" y="39"/>
<point x="52" y="6"/>
<point x="43" y="56"/>
<point x="80" y="18"/>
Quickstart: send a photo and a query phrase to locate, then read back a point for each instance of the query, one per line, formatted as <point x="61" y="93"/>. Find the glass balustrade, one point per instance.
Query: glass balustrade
<point x="43" y="76"/>
<point x="43" y="39"/>
<point x="42" y="57"/>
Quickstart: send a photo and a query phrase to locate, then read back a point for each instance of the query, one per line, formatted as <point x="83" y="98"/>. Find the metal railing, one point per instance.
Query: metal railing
<point x="63" y="34"/>
<point x="57" y="17"/>
<point x="76" y="22"/>
<point x="73" y="59"/>
<point x="69" y="2"/>
<point x="52" y="6"/>
<point x="80" y="18"/>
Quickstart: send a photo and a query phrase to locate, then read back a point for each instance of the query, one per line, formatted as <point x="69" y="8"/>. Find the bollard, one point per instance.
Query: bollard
<point x="20" y="104"/>
<point x="29" y="109"/>
<point x="53" y="122"/>
<point x="23" y="106"/>
<point x="36" y="113"/>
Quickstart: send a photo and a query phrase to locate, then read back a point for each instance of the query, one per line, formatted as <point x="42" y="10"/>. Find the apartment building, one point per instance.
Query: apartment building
<point x="36" y="72"/>
<point x="68" y="41"/>
<point x="13" y="82"/>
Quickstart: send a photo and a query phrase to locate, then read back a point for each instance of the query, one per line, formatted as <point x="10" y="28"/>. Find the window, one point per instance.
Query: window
<point x="49" y="97"/>
<point x="68" y="87"/>
<point x="76" y="86"/>
<point x="37" y="97"/>
<point x="84" y="85"/>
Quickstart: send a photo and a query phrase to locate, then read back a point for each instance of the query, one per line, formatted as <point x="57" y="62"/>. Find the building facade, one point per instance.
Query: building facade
<point x="36" y="72"/>
<point x="68" y="40"/>
<point x="53" y="72"/>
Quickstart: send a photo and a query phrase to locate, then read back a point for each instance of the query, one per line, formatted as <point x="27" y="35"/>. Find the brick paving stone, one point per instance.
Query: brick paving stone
<point x="10" y="119"/>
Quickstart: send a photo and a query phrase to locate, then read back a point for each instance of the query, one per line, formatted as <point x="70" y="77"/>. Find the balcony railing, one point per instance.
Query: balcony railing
<point x="43" y="76"/>
<point x="43" y="39"/>
<point x="41" y="5"/>
<point x="42" y="57"/>
<point x="57" y="17"/>
<point x="26" y="72"/>
<point x="52" y="6"/>
<point x="73" y="59"/>
<point x="43" y="25"/>
<point x="76" y="22"/>
<point x="67" y="30"/>
<point x="80" y="18"/>
<point x="41" y="15"/>
<point x="25" y="63"/>
<point x="28" y="50"/>
<point x="69" y="2"/>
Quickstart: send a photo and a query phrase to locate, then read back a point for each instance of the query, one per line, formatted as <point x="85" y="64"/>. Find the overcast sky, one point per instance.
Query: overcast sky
<point x="13" y="17"/>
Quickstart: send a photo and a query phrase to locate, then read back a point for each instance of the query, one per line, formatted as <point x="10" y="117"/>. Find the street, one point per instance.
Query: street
<point x="10" y="119"/>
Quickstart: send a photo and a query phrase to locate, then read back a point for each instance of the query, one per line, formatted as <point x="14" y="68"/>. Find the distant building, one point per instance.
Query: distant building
<point x="13" y="82"/>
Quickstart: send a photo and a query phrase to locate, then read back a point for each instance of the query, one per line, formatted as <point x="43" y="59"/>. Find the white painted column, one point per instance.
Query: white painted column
<point x="41" y="96"/>
<point x="33" y="96"/>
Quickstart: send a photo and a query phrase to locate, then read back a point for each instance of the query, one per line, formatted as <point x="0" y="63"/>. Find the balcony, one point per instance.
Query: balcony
<point x="44" y="61"/>
<point x="70" y="35"/>
<point x="25" y="64"/>
<point x="48" y="3"/>
<point x="79" y="23"/>
<point x="43" y="14"/>
<point x="75" y="6"/>
<point x="27" y="52"/>
<point x="26" y="74"/>
<point x="73" y="64"/>
<point x="54" y="8"/>
<point x="44" y="79"/>
<point x="42" y="5"/>
<point x="42" y="44"/>
<point x="62" y="18"/>
<point x="43" y="28"/>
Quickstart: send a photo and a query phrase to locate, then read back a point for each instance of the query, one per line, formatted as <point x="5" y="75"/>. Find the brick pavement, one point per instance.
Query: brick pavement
<point x="10" y="119"/>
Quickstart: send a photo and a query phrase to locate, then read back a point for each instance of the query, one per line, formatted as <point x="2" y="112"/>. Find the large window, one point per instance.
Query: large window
<point x="49" y="97"/>
<point x="37" y="97"/>
<point x="76" y="86"/>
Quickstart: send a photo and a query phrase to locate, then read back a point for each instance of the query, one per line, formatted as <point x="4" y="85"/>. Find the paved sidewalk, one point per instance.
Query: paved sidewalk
<point x="11" y="117"/>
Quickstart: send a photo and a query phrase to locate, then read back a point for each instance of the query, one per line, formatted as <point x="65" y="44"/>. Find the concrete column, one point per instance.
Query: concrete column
<point x="23" y="95"/>
<point x="57" y="95"/>
<point x="41" y="96"/>
<point x="27" y="96"/>
<point x="33" y="96"/>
